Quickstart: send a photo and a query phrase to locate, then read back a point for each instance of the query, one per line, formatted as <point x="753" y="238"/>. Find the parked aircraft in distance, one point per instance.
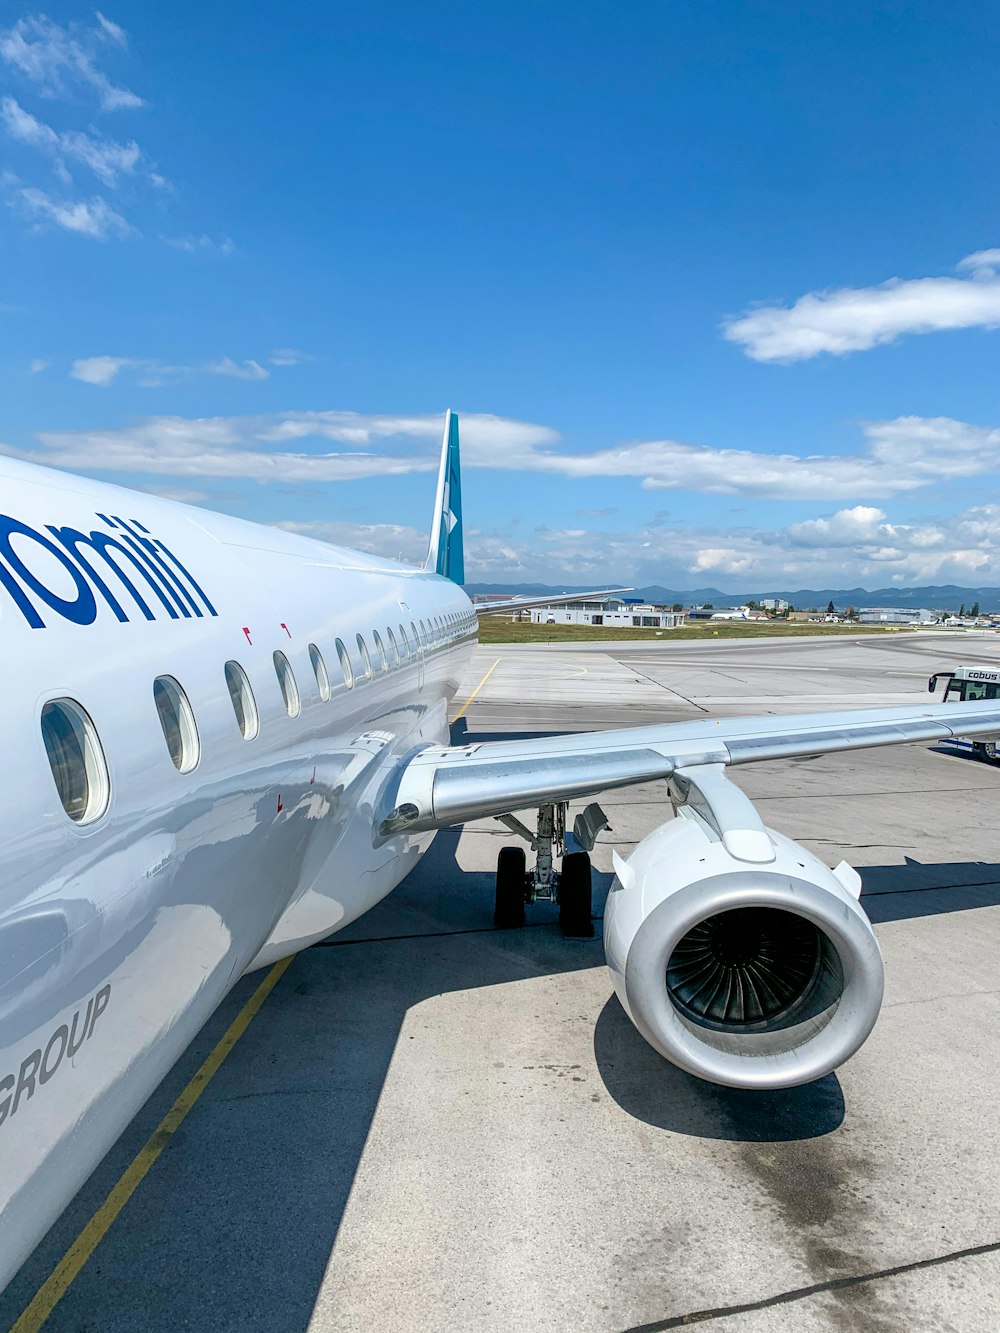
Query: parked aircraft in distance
<point x="223" y="743"/>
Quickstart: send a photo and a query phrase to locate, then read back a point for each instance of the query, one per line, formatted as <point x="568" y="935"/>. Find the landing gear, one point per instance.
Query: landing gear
<point x="511" y="888"/>
<point x="574" y="897"/>
<point x="570" y="887"/>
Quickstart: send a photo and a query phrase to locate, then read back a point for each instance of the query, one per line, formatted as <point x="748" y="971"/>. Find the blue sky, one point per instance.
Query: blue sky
<point x="715" y="287"/>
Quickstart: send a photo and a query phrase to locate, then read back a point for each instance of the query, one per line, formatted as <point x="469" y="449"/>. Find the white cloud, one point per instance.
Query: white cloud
<point x="38" y="365"/>
<point x="178" y="447"/>
<point x="721" y="560"/>
<point x="256" y="447"/>
<point x="898" y="457"/>
<point x="102" y="370"/>
<point x="105" y="158"/>
<point x="245" y="370"/>
<point x="983" y="262"/>
<point x="60" y="60"/>
<point x="112" y="30"/>
<point x="198" y="244"/>
<point x="854" y="544"/>
<point x="852" y="319"/>
<point x="288" y="356"/>
<point x="395" y="541"/>
<point x="960" y="549"/>
<point x="862" y="524"/>
<point x="179" y="494"/>
<point x="87" y="217"/>
<point x="99" y="369"/>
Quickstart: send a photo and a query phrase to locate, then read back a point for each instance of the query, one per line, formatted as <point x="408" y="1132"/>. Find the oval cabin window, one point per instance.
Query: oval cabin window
<point x="319" y="669"/>
<point x="177" y="723"/>
<point x="366" y="661"/>
<point x="345" y="664"/>
<point x="286" y="679"/>
<point x="244" y="704"/>
<point x="76" y="759"/>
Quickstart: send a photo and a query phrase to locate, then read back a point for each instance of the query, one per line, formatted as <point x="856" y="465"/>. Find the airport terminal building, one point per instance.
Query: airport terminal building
<point x="609" y="613"/>
<point x="895" y="615"/>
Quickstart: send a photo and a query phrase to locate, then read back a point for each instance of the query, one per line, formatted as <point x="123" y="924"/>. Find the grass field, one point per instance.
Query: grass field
<point x="501" y="629"/>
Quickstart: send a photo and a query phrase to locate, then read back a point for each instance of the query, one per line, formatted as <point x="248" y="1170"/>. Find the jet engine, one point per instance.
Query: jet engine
<point x="737" y="954"/>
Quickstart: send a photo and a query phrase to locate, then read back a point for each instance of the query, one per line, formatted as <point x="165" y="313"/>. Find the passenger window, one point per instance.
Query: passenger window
<point x="76" y="759"/>
<point x="404" y="644"/>
<point x="244" y="704"/>
<point x="286" y="679"/>
<point x="345" y="664"/>
<point x="177" y="721"/>
<point x="383" y="660"/>
<point x="319" y="669"/>
<point x="393" y="650"/>
<point x="366" y="661"/>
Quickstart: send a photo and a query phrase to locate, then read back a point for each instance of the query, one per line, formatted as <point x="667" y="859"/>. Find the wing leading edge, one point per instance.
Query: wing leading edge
<point x="526" y="603"/>
<point x="443" y="785"/>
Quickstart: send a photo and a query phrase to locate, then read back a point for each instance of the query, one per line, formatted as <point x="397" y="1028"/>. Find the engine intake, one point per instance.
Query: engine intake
<point x="750" y="976"/>
<point x="753" y="967"/>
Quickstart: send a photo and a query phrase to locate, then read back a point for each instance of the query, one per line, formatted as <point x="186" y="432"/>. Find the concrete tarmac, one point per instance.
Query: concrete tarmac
<point x="432" y="1125"/>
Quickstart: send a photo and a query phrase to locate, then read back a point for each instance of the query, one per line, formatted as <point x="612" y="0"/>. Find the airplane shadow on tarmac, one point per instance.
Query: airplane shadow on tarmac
<point x="235" y="1224"/>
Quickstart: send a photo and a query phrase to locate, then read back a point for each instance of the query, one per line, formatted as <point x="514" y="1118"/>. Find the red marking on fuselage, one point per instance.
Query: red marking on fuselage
<point x="280" y="806"/>
<point x="246" y="631"/>
<point x="285" y="628"/>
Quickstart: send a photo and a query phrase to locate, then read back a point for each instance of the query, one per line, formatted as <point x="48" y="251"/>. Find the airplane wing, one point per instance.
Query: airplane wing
<point x="526" y="603"/>
<point x="442" y="785"/>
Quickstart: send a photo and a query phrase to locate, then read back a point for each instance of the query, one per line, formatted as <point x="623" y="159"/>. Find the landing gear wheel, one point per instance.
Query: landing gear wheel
<point x="574" y="897"/>
<point x="509" y="909"/>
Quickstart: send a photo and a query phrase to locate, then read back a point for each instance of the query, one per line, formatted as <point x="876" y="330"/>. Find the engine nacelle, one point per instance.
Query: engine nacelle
<point x="761" y="974"/>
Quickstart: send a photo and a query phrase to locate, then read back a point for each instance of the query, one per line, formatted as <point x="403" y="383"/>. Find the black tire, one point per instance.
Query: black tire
<point x="990" y="751"/>
<point x="509" y="909"/>
<point x="574" y="897"/>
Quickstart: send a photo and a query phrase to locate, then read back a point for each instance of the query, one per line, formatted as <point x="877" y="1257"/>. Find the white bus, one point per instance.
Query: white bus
<point x="966" y="684"/>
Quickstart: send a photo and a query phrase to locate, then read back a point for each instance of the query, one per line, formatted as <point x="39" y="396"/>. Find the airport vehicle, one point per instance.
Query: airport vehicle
<point x="965" y="685"/>
<point x="223" y="742"/>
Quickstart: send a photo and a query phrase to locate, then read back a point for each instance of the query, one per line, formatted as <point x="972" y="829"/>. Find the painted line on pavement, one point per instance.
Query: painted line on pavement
<point x="69" y="1266"/>
<point x="461" y="711"/>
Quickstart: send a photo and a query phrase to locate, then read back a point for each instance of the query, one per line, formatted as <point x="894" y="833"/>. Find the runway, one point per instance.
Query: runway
<point x="432" y="1125"/>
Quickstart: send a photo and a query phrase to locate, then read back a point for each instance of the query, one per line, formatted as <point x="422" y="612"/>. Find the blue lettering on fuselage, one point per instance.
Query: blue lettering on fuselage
<point x="127" y="569"/>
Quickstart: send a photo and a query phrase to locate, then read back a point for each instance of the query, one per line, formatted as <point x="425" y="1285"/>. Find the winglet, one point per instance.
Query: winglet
<point x="445" y="554"/>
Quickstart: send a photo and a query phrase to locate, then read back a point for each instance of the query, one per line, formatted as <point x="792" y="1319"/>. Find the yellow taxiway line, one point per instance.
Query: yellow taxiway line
<point x="461" y="711"/>
<point x="65" y="1272"/>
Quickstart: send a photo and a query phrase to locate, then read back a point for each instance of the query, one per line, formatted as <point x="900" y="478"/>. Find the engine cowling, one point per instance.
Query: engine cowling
<point x="749" y="975"/>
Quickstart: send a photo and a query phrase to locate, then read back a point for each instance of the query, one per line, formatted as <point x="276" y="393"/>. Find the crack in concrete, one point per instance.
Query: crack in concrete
<point x="838" y="1284"/>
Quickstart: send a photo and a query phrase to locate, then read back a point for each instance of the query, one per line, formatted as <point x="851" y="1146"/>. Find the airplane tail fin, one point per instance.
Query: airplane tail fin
<point x="445" y="554"/>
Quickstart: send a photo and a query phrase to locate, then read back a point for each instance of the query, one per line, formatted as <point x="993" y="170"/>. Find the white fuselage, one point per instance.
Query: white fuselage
<point x="120" y="936"/>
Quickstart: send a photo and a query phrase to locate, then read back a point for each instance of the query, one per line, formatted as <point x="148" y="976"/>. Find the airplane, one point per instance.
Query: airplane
<point x="223" y="743"/>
